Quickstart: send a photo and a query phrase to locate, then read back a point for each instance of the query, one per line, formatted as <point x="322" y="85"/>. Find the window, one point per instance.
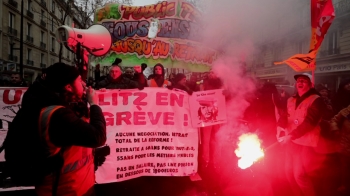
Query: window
<point x="333" y="42"/>
<point x="42" y="56"/>
<point x="42" y="14"/>
<point x="42" y="36"/>
<point x="12" y="20"/>
<point x="29" y="54"/>
<point x="53" y="7"/>
<point x="29" y="5"/>
<point x="53" y="44"/>
<point x="52" y="26"/>
<point x="61" y="14"/>
<point x="29" y="29"/>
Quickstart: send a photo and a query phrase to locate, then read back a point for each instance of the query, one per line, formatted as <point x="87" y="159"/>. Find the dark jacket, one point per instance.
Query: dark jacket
<point x="181" y="87"/>
<point x="314" y="115"/>
<point x="66" y="128"/>
<point x="119" y="83"/>
<point x="342" y="98"/>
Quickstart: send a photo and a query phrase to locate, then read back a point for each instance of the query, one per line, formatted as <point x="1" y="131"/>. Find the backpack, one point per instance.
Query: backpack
<point x="27" y="162"/>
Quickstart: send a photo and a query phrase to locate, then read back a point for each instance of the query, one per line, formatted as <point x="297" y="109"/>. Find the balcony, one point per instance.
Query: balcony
<point x="30" y="14"/>
<point x="12" y="31"/>
<point x="30" y="39"/>
<point x="42" y="23"/>
<point x="342" y="8"/>
<point x="12" y="58"/>
<point x="43" y="3"/>
<point x="42" y="45"/>
<point x="42" y="65"/>
<point x="13" y="3"/>
<point x="29" y="62"/>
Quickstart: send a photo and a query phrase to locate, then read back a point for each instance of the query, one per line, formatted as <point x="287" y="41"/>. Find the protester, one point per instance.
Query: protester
<point x="97" y="73"/>
<point x="208" y="165"/>
<point x="324" y="93"/>
<point x="342" y="98"/>
<point x="267" y="108"/>
<point x="305" y="110"/>
<point x="90" y="82"/>
<point x="16" y="81"/>
<point x="340" y="125"/>
<point x="193" y="83"/>
<point x="180" y="82"/>
<point x="158" y="77"/>
<point x="129" y="73"/>
<point x="171" y="77"/>
<point x="50" y="118"/>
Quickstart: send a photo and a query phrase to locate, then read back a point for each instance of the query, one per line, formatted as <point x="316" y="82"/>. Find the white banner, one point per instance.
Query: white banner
<point x="11" y="99"/>
<point x="208" y="108"/>
<point x="149" y="133"/>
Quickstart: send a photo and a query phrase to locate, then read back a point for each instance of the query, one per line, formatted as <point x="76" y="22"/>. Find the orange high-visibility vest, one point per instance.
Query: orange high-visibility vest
<point x="297" y="116"/>
<point x="77" y="174"/>
<point x="152" y="83"/>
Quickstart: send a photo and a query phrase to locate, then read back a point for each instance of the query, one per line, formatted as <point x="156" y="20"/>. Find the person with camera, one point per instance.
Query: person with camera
<point x="49" y="131"/>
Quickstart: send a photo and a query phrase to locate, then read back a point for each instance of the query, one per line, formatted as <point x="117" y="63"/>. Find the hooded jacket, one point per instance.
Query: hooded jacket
<point x="158" y="80"/>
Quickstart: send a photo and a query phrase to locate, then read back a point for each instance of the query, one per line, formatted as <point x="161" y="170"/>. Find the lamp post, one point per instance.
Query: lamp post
<point x="21" y="44"/>
<point x="12" y="43"/>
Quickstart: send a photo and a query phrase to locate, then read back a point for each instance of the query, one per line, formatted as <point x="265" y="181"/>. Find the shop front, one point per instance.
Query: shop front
<point x="275" y="74"/>
<point x="332" y="74"/>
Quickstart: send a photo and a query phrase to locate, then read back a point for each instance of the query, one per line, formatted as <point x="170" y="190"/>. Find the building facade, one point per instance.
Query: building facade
<point x="332" y="62"/>
<point x="41" y="18"/>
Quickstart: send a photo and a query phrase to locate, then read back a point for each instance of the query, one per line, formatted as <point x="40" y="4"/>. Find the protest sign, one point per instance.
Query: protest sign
<point x="11" y="99"/>
<point x="208" y="108"/>
<point x="149" y="133"/>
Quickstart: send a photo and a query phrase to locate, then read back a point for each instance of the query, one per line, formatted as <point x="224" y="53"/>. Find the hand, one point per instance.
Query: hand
<point x="137" y="68"/>
<point x="285" y="139"/>
<point x="279" y="131"/>
<point x="91" y="96"/>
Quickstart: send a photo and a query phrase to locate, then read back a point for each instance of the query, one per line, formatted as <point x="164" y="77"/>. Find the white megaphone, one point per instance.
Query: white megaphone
<point x="96" y="39"/>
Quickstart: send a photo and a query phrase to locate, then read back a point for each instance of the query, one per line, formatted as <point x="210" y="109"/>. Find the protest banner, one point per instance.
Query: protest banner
<point x="168" y="32"/>
<point x="11" y="99"/>
<point x="208" y="108"/>
<point x="149" y="133"/>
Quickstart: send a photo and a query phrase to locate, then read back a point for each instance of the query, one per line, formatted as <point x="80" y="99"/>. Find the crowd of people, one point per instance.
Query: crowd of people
<point x="311" y="127"/>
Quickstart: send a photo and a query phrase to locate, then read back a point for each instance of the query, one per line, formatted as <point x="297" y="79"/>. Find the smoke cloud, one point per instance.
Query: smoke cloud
<point x="238" y="29"/>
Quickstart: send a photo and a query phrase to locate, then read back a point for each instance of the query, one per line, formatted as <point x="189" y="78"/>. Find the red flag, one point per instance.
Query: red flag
<point x="322" y="15"/>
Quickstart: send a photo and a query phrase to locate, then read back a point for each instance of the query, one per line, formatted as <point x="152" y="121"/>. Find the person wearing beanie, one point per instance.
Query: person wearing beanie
<point x="47" y="117"/>
<point x="180" y="82"/>
<point x="158" y="79"/>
